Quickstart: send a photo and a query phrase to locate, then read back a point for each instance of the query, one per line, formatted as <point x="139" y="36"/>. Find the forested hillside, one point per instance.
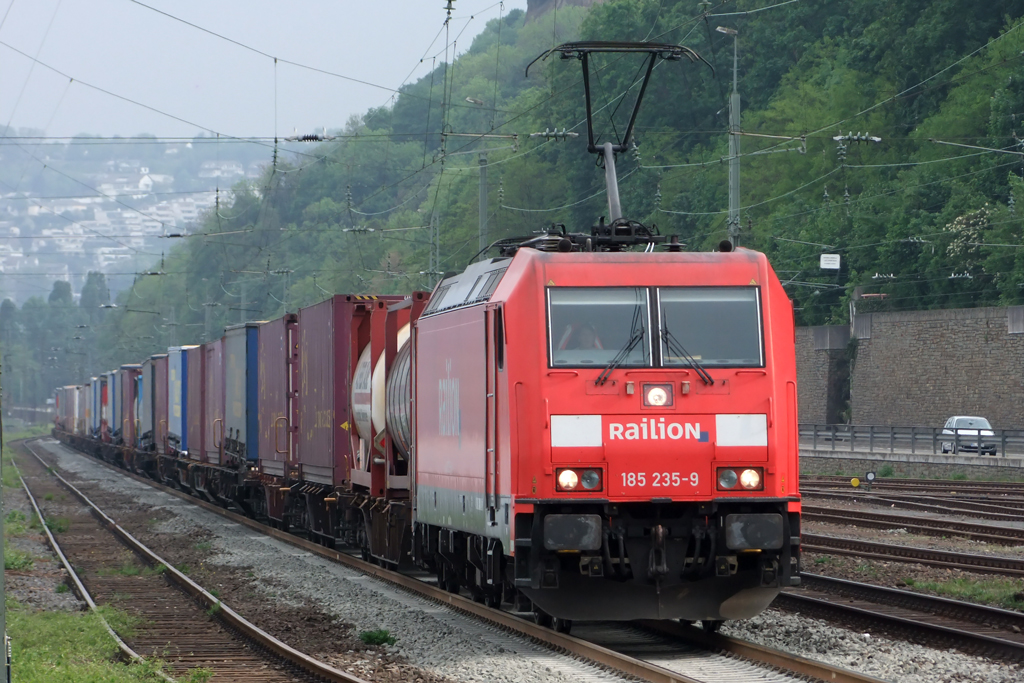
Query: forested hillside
<point x="924" y="223"/>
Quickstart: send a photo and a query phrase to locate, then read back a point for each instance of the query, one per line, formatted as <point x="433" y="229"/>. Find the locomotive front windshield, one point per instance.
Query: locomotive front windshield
<point x="593" y="325"/>
<point x="716" y="326"/>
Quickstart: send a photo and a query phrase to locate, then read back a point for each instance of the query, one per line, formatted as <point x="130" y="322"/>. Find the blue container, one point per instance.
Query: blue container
<point x="177" y="397"/>
<point x="241" y="385"/>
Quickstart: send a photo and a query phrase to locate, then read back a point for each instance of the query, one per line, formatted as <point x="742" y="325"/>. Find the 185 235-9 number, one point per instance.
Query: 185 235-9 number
<point x="659" y="479"/>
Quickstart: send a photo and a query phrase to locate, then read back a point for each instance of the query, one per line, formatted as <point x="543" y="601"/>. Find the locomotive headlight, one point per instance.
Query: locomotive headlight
<point x="750" y="479"/>
<point x="568" y="480"/>
<point x="658" y="395"/>
<point x="727" y="479"/>
<point x="591" y="480"/>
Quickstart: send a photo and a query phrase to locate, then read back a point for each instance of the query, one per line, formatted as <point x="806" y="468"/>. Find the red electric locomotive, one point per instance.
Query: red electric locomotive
<point x="619" y="426"/>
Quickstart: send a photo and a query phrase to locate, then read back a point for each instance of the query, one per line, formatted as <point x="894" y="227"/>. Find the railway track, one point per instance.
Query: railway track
<point x="945" y="559"/>
<point x="653" y="651"/>
<point x="1002" y="535"/>
<point x="995" y="511"/>
<point x="179" y="622"/>
<point x="919" y="484"/>
<point x="970" y="628"/>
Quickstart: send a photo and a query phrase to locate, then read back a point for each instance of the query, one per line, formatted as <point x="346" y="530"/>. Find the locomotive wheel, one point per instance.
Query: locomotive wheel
<point x="542" y="618"/>
<point x="561" y="625"/>
<point x="710" y="625"/>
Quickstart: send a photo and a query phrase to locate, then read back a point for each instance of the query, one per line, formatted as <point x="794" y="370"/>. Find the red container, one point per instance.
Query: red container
<point x="129" y="393"/>
<point x="195" y="405"/>
<point x="275" y="438"/>
<point x="213" y="413"/>
<point x="325" y="366"/>
<point x="160" y="403"/>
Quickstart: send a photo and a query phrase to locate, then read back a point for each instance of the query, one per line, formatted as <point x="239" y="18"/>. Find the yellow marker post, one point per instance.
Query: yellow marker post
<point x="855" y="482"/>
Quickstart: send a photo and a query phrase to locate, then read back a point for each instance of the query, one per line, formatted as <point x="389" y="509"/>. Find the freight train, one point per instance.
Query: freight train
<point x="590" y="425"/>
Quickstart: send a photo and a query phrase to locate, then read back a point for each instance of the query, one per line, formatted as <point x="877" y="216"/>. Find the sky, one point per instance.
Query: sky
<point x="127" y="47"/>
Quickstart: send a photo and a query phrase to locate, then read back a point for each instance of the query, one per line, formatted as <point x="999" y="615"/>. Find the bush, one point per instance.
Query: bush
<point x="378" y="637"/>
<point x="887" y="471"/>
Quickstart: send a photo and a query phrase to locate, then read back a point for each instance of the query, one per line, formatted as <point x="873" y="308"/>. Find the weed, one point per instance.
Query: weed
<point x="204" y="545"/>
<point x="1003" y="592"/>
<point x="62" y="588"/>
<point x="17" y="560"/>
<point x="214" y="609"/>
<point x="198" y="675"/>
<point x="16" y="523"/>
<point x="823" y="560"/>
<point x="184" y="569"/>
<point x="214" y="592"/>
<point x="15" y="517"/>
<point x="58" y="525"/>
<point x="128" y="568"/>
<point x="959" y="476"/>
<point x="379" y="637"/>
<point x="887" y="471"/>
<point x="48" y="497"/>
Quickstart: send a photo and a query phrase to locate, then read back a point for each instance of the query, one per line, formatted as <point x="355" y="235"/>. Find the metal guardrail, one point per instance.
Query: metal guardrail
<point x="875" y="438"/>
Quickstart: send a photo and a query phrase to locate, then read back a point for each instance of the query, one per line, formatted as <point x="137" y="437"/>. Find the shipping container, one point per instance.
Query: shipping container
<point x="241" y="382"/>
<point x="129" y="375"/>
<point x="146" y="404"/>
<point x="323" y="446"/>
<point x="160" y="402"/>
<point x="177" y="397"/>
<point x="104" y="420"/>
<point x="79" y="410"/>
<point x="331" y="335"/>
<point x="194" y="414"/>
<point x="275" y="434"/>
<point x="87" y="408"/>
<point x="111" y="409"/>
<point x="213" y="413"/>
<point x="115" y="416"/>
<point x="153" y="402"/>
<point x="95" y="405"/>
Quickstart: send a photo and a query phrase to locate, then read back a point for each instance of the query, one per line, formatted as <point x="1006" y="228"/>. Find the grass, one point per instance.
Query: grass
<point x="58" y="525"/>
<point x="129" y="568"/>
<point x="17" y="560"/>
<point x="379" y="637"/>
<point x="15" y="523"/>
<point x="62" y="588"/>
<point x="71" y="647"/>
<point x="203" y="545"/>
<point x="214" y="609"/>
<point x="824" y="559"/>
<point x="198" y="675"/>
<point x="886" y="471"/>
<point x="1002" y="592"/>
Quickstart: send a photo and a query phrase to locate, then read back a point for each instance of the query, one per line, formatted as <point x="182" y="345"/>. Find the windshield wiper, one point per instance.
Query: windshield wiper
<point x="636" y="333"/>
<point x="678" y="349"/>
<point x="619" y="357"/>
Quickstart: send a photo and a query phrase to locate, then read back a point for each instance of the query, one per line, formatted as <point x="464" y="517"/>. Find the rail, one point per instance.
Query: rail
<point x="509" y="622"/>
<point x="891" y="439"/>
<point x="204" y="598"/>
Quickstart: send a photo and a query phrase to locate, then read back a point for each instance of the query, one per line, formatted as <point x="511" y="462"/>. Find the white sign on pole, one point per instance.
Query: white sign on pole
<point x="830" y="261"/>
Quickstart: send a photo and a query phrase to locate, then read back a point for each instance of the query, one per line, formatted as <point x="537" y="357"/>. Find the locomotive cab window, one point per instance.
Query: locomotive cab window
<point x="591" y="326"/>
<point x="715" y="326"/>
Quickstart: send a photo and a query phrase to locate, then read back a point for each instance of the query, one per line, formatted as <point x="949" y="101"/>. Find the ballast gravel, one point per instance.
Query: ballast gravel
<point x="462" y="649"/>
